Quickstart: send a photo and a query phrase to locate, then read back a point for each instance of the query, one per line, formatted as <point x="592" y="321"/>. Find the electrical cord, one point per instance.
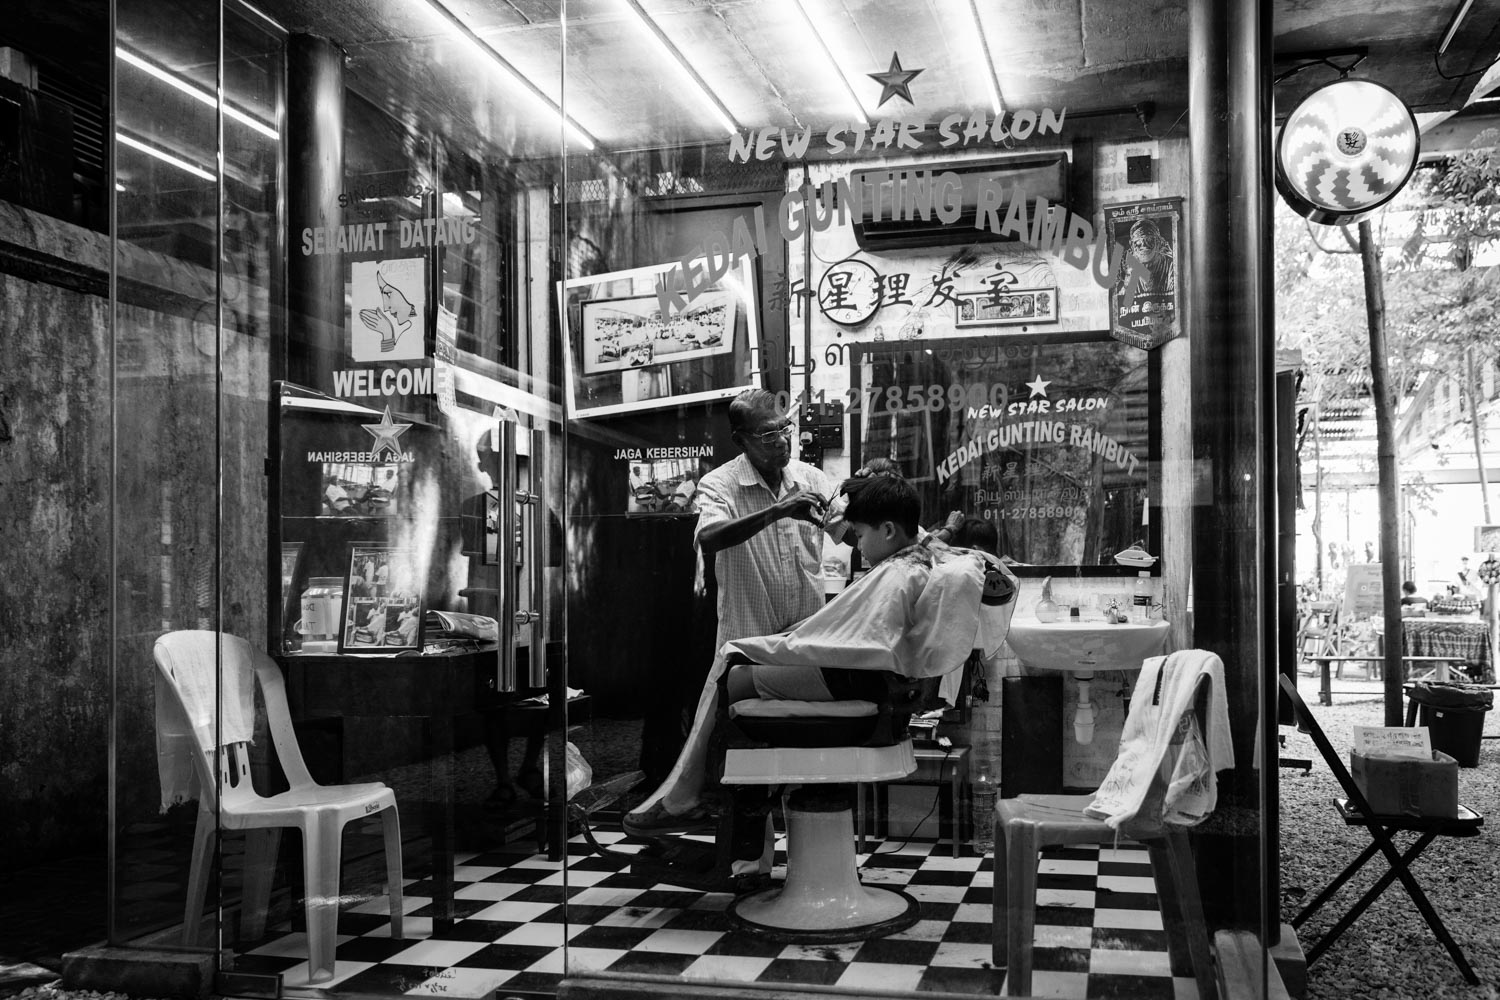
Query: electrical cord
<point x="1437" y="67"/>
<point x="936" y="798"/>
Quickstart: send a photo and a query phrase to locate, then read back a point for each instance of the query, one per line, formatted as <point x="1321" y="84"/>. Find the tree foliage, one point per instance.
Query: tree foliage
<point x="1441" y="257"/>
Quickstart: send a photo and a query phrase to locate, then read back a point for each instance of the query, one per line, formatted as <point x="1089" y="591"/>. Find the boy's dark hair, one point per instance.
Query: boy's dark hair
<point x="977" y="533"/>
<point x="884" y="498"/>
<point x="1408" y="587"/>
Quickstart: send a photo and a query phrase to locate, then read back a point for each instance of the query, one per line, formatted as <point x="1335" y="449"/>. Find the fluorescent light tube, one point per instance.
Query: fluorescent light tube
<point x="164" y="156"/>
<point x="854" y="102"/>
<point x="669" y="51"/>
<point x="194" y="91"/>
<point x="991" y="80"/>
<point x="483" y="49"/>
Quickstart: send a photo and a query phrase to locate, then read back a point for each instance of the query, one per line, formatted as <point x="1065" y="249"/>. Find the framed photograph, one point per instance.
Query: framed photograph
<point x="382" y="601"/>
<point x="1145" y="304"/>
<point x="632" y="347"/>
<point x="1007" y="307"/>
<point x="621" y="334"/>
<point x="388" y="309"/>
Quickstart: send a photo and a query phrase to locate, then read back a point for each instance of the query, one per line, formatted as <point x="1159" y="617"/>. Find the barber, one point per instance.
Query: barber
<point x="760" y="518"/>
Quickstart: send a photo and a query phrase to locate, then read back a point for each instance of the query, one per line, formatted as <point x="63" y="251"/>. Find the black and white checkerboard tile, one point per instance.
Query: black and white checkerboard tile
<point x="1098" y="931"/>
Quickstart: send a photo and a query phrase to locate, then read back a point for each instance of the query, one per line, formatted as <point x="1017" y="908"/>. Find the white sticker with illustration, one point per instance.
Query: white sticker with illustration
<point x="388" y="307"/>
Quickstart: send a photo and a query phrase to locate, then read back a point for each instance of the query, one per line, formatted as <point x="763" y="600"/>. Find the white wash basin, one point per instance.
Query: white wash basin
<point x="1081" y="649"/>
<point x="1086" y="647"/>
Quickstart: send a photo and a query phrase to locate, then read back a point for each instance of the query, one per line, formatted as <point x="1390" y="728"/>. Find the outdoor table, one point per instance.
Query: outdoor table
<point x="1460" y="640"/>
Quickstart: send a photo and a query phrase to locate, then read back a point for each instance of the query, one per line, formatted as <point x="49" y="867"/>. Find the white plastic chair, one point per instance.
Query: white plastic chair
<point x="319" y="811"/>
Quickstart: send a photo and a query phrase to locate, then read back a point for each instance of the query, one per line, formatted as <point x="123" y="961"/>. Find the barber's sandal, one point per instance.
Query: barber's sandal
<point x="656" y="821"/>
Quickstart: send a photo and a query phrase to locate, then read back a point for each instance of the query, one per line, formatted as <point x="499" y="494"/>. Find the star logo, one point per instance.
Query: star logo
<point x="894" y="82"/>
<point x="386" y="434"/>
<point x="1038" y="387"/>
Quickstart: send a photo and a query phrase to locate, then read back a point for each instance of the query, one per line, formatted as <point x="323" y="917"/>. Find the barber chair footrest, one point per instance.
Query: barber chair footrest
<point x="822" y="900"/>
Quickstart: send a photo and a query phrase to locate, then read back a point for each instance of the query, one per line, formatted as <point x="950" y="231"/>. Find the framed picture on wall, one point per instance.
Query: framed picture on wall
<point x="637" y="341"/>
<point x="1145" y="303"/>
<point x="1006" y="307"/>
<point x="382" y="601"/>
<point x="388" y="309"/>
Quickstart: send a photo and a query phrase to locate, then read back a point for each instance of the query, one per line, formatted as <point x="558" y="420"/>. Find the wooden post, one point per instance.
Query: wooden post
<point x="1387" y="481"/>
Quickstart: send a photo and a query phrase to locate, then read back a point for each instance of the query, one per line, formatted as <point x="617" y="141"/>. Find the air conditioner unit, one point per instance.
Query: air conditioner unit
<point x="891" y="215"/>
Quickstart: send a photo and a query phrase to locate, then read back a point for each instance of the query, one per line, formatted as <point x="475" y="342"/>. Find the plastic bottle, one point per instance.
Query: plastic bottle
<point x="985" y="792"/>
<point x="1141" y="600"/>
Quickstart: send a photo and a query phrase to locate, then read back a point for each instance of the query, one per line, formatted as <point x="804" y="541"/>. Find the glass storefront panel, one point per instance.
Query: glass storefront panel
<point x="965" y="260"/>
<point x="439" y="420"/>
<point x="196" y="272"/>
<point x="348" y="462"/>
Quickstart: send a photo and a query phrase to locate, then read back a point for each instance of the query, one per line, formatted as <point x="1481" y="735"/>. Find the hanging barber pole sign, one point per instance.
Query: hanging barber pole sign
<point x="1345" y="151"/>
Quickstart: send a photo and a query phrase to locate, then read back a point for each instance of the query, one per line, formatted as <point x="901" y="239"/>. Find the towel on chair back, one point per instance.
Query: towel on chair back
<point x="918" y="614"/>
<point x="191" y="657"/>
<point x="1163" y="695"/>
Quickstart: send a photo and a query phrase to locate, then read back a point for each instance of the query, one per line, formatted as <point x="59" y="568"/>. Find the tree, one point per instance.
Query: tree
<point x="1434" y="317"/>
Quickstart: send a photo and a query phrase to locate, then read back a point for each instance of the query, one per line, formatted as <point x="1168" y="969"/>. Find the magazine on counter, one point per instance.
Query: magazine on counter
<point x="455" y="628"/>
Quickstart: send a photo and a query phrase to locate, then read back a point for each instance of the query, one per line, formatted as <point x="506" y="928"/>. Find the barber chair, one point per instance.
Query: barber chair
<point x="818" y="752"/>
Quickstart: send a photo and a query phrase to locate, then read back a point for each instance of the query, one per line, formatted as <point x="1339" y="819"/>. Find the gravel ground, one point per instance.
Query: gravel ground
<point x="1389" y="952"/>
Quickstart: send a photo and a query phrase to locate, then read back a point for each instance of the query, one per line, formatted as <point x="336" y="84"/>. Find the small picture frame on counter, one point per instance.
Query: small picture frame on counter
<point x="382" y="610"/>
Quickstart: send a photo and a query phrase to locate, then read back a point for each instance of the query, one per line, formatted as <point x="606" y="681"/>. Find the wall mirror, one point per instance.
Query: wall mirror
<point x="1054" y="439"/>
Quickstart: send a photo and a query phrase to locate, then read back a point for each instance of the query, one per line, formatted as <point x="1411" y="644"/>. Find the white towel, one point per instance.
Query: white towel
<point x="1163" y="694"/>
<point x="188" y="661"/>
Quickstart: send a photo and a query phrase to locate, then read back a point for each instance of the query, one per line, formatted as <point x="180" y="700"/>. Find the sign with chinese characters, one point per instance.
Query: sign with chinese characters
<point x="1052" y="438"/>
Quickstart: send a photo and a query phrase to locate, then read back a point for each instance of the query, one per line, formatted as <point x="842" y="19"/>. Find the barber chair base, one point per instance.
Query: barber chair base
<point x="822" y="901"/>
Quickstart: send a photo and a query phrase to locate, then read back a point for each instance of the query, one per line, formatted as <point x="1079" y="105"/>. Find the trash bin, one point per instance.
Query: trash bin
<point x="1454" y="714"/>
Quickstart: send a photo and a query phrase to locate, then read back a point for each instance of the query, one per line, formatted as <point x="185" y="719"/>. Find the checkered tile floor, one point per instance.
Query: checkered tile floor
<point x="1098" y="930"/>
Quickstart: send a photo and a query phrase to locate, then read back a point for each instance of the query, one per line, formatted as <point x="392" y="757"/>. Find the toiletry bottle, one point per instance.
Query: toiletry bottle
<point x="1141" y="600"/>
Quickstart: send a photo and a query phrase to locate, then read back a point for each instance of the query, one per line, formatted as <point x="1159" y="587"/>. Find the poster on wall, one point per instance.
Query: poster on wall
<point x="1052" y="438"/>
<point x="1363" y="591"/>
<point x="382" y="601"/>
<point x="388" y="309"/>
<point x="635" y="342"/>
<point x="1145" y="305"/>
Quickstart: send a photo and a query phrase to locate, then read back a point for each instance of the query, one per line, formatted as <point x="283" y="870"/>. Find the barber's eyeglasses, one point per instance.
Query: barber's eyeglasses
<point x="771" y="437"/>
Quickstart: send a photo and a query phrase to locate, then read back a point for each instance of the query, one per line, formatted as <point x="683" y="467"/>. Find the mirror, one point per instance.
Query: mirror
<point x="1054" y="439"/>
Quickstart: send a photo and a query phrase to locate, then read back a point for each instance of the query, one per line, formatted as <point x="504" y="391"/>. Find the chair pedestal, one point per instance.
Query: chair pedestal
<point x="822" y="900"/>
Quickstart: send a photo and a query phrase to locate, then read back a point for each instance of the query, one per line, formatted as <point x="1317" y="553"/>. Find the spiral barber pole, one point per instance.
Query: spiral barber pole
<point x="1346" y="150"/>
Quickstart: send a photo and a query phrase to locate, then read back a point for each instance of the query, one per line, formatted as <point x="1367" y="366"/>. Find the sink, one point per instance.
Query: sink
<point x="1081" y="649"/>
<point x="1086" y="647"/>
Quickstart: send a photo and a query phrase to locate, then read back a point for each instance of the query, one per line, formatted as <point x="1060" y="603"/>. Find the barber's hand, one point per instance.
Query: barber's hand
<point x="803" y="505"/>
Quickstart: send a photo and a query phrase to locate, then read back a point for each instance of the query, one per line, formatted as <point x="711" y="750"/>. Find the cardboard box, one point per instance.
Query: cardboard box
<point x="1408" y="786"/>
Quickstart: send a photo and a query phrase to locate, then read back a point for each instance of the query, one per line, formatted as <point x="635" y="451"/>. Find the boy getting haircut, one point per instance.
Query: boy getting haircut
<point x="884" y="498"/>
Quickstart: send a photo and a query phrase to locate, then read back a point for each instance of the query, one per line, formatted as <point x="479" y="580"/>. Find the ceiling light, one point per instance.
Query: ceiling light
<point x="197" y="93"/>
<point x="480" y="46"/>
<point x="164" y="156"/>
<point x="991" y="80"/>
<point x="1453" y="26"/>
<point x="854" y="102"/>
<point x="667" y="49"/>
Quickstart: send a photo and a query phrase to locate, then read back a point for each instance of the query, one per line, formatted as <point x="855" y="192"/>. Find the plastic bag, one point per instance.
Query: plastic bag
<point x="580" y="774"/>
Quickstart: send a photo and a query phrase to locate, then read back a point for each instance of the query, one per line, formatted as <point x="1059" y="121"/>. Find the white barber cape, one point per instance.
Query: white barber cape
<point x="917" y="613"/>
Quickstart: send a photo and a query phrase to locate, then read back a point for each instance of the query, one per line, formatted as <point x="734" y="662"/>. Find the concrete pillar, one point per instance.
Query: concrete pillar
<point x="1233" y="419"/>
<point x="315" y="176"/>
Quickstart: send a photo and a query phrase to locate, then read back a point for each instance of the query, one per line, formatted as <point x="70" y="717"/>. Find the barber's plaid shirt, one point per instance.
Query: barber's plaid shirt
<point x="775" y="579"/>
